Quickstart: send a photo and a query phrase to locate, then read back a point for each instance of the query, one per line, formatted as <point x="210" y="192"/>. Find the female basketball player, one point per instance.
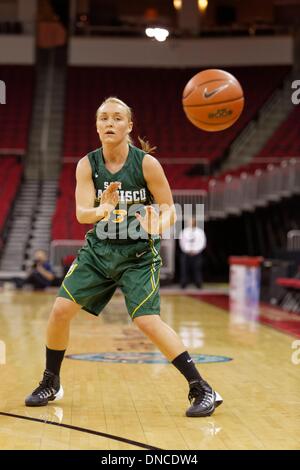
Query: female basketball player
<point x="121" y="251"/>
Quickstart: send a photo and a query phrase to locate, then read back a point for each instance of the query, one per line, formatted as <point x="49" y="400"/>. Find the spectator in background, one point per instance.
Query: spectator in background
<point x="40" y="274"/>
<point x="192" y="242"/>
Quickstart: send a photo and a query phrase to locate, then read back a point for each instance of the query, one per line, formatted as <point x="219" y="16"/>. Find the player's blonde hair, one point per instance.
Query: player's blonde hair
<point x="145" y="145"/>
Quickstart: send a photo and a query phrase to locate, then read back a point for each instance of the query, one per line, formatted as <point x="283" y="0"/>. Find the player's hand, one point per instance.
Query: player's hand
<point x="150" y="221"/>
<point x="110" y="198"/>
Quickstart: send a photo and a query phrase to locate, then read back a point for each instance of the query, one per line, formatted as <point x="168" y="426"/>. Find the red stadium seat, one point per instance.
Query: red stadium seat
<point x="15" y="115"/>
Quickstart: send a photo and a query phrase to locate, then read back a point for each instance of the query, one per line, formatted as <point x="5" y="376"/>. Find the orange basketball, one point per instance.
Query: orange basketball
<point x="213" y="100"/>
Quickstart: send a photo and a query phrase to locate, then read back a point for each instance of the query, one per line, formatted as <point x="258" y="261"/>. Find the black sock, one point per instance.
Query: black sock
<point x="54" y="359"/>
<point x="186" y="366"/>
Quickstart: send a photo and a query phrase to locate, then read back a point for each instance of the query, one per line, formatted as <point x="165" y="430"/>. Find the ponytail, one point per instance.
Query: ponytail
<point x="146" y="146"/>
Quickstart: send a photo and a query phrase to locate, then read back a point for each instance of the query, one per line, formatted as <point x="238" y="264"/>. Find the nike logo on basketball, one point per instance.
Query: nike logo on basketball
<point x="138" y="255"/>
<point x="209" y="94"/>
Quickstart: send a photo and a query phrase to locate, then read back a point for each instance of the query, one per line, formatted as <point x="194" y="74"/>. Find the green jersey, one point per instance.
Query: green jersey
<point x="122" y="225"/>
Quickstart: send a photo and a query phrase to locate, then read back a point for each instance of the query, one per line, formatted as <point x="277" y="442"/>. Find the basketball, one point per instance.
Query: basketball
<point x="213" y="100"/>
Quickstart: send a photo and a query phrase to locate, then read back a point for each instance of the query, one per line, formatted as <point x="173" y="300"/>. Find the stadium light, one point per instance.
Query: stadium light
<point x="149" y="32"/>
<point x="202" y="5"/>
<point x="177" y="4"/>
<point x="160" y="34"/>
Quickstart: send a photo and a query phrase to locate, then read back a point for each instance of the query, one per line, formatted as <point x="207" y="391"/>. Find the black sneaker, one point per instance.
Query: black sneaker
<point x="203" y="399"/>
<point x="48" y="390"/>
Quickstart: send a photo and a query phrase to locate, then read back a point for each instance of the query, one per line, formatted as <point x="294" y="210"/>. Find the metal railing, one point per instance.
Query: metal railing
<point x="234" y="194"/>
<point x="293" y="240"/>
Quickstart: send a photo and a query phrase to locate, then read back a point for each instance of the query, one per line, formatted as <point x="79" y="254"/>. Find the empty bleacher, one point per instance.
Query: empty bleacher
<point x="16" y="113"/>
<point x="15" y="118"/>
<point x="10" y="178"/>
<point x="285" y="142"/>
<point x="65" y="225"/>
<point x="155" y="96"/>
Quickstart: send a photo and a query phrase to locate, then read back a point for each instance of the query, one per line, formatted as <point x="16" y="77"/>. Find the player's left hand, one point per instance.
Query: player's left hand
<point x="150" y="221"/>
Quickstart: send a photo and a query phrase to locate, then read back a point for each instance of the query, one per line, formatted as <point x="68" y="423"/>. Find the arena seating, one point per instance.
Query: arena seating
<point x="65" y="225"/>
<point x="15" y="117"/>
<point x="181" y="177"/>
<point x="285" y="142"/>
<point x="156" y="101"/>
<point x="291" y="298"/>
<point x="16" y="113"/>
<point x="155" y="97"/>
<point x="10" y="177"/>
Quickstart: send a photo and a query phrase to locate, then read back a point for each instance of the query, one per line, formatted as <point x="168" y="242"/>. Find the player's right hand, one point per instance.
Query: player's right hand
<point x="110" y="197"/>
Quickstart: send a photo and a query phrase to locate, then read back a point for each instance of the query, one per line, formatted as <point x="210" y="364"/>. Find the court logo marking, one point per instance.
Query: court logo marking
<point x="142" y="358"/>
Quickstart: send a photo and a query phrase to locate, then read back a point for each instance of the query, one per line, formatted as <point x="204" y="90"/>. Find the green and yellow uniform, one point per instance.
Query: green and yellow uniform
<point x="117" y="252"/>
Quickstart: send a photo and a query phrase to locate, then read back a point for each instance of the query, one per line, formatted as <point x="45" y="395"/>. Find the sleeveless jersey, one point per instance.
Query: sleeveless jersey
<point x="122" y="225"/>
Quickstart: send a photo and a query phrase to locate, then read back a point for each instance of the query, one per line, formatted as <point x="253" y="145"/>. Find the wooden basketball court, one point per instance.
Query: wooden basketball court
<point x="142" y="405"/>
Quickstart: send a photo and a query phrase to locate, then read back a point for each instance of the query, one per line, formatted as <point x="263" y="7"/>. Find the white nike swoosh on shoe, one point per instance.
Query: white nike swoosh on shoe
<point x="218" y="399"/>
<point x="138" y="255"/>
<point x="59" y="395"/>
